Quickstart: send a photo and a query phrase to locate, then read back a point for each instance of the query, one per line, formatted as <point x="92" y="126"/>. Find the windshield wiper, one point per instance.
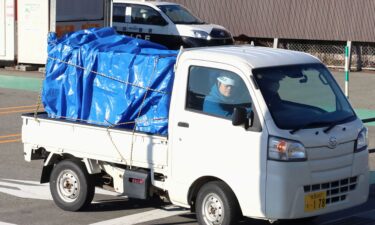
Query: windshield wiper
<point x="322" y="123"/>
<point x="313" y="123"/>
<point x="332" y="125"/>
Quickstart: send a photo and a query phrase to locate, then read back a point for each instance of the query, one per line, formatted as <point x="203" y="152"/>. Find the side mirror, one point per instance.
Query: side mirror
<point x="240" y="117"/>
<point x="161" y="22"/>
<point x="157" y="20"/>
<point x="164" y="23"/>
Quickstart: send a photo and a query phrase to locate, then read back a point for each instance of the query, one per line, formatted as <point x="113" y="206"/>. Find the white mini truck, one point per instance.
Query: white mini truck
<point x="292" y="148"/>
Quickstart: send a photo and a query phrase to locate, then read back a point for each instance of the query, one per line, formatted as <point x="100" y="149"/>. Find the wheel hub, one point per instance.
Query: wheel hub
<point x="213" y="209"/>
<point x="68" y="185"/>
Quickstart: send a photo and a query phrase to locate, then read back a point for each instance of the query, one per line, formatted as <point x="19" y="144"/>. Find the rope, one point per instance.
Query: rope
<point x="109" y="133"/>
<point x="140" y="110"/>
<point x="106" y="76"/>
<point x="114" y="145"/>
<point x="105" y="124"/>
<point x="39" y="100"/>
<point x="113" y="125"/>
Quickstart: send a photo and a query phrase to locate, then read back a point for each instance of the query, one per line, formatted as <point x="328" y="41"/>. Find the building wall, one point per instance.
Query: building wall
<point x="338" y="20"/>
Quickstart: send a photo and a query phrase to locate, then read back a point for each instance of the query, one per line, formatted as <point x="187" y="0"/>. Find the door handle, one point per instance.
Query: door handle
<point x="183" y="124"/>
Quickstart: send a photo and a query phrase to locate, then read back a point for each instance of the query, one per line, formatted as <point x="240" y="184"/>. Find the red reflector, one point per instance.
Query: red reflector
<point x="136" y="180"/>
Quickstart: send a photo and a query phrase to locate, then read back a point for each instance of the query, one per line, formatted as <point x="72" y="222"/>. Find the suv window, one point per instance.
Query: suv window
<point x="138" y="14"/>
<point x="180" y="15"/>
<point x="216" y="92"/>
<point x="119" y="11"/>
<point x="141" y="14"/>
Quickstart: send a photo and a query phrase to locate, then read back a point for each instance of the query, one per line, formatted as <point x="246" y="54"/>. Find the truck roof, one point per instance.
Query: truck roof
<point x="256" y="57"/>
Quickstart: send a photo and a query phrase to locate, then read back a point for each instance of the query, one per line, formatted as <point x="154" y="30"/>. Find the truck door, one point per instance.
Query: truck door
<point x="205" y="143"/>
<point x="141" y="21"/>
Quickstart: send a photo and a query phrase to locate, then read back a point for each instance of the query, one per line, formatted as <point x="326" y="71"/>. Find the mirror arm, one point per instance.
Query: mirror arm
<point x="249" y="121"/>
<point x="247" y="124"/>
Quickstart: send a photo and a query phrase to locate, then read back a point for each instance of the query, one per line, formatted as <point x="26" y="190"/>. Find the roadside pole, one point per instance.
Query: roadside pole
<point x="108" y="13"/>
<point x="275" y="43"/>
<point x="347" y="67"/>
<point x="52" y="16"/>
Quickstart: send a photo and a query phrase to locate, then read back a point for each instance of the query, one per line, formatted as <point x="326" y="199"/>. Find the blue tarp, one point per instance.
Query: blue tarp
<point x="103" y="78"/>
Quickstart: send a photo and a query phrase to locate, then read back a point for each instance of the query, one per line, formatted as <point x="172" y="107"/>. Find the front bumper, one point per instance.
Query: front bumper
<point x="289" y="182"/>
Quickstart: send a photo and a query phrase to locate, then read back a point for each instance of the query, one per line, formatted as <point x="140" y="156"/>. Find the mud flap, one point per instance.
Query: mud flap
<point x="46" y="172"/>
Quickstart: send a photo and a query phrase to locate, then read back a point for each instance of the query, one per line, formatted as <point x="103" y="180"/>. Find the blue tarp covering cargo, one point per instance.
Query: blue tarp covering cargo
<point x="100" y="77"/>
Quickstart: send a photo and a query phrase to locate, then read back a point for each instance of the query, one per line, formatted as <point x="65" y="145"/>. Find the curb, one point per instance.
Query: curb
<point x="21" y="83"/>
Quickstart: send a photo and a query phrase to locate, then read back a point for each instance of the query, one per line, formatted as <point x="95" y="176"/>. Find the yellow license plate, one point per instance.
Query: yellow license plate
<point x="315" y="201"/>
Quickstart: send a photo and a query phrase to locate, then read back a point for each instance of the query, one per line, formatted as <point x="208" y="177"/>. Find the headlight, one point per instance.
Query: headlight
<point x="201" y="34"/>
<point x="362" y="140"/>
<point x="285" y="150"/>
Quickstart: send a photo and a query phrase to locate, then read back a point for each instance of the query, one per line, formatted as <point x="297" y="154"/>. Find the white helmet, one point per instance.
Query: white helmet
<point x="226" y="80"/>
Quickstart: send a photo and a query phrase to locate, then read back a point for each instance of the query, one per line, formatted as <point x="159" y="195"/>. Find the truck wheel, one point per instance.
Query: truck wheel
<point x="71" y="186"/>
<point x="216" y="205"/>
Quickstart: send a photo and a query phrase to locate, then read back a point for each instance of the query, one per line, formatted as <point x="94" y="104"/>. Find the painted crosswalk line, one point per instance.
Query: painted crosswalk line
<point x="147" y="216"/>
<point x="3" y="223"/>
<point x="33" y="189"/>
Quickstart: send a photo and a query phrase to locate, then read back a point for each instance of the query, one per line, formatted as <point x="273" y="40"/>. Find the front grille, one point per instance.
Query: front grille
<point x="336" y="190"/>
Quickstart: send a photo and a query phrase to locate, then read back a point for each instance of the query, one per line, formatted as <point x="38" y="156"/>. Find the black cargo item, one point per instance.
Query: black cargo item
<point x="136" y="184"/>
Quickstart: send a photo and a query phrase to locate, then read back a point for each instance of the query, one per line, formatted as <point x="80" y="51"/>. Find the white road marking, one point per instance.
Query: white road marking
<point x="143" y="217"/>
<point x="2" y="223"/>
<point x="40" y="191"/>
<point x="34" y="190"/>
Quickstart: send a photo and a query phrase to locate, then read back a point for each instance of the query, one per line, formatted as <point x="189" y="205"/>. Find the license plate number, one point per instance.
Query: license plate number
<point x="315" y="201"/>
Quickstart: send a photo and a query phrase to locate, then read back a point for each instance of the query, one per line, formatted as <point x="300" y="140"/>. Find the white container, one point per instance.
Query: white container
<point x="37" y="18"/>
<point x="7" y="30"/>
<point x="32" y="31"/>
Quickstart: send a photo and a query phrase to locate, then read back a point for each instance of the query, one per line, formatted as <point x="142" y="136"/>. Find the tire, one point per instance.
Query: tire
<point x="216" y="205"/>
<point x="71" y="186"/>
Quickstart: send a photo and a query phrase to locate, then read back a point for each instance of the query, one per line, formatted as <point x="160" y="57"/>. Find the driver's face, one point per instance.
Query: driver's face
<point x="225" y="90"/>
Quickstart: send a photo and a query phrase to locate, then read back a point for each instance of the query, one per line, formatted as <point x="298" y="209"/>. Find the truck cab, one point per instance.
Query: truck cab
<point x="300" y="152"/>
<point x="169" y="24"/>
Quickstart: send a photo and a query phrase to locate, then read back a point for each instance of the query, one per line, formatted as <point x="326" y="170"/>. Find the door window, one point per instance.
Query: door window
<point x="216" y="92"/>
<point x="119" y="12"/>
<point x="137" y="14"/>
<point x="141" y="14"/>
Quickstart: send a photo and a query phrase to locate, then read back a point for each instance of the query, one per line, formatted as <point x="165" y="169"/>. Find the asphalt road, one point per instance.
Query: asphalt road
<point x="24" y="201"/>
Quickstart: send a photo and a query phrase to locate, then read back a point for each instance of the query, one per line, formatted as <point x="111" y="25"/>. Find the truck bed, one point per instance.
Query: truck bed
<point x="95" y="142"/>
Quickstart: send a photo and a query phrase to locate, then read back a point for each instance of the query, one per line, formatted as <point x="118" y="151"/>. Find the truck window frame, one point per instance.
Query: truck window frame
<point x="341" y="101"/>
<point x="119" y="18"/>
<point x="212" y="78"/>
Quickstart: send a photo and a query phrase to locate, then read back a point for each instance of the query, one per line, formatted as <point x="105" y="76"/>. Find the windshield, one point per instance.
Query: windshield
<point x="179" y="15"/>
<point x="303" y="96"/>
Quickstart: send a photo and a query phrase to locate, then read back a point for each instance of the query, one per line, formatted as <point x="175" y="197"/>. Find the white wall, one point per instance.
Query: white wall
<point x="2" y="27"/>
<point x="33" y="21"/>
<point x="7" y="30"/>
<point x="33" y="24"/>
